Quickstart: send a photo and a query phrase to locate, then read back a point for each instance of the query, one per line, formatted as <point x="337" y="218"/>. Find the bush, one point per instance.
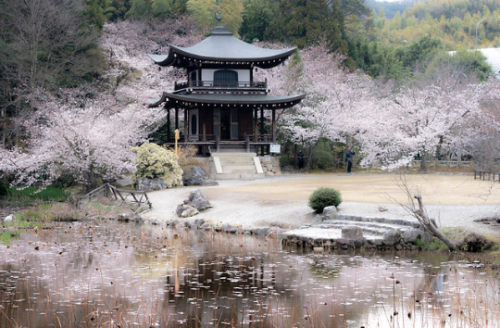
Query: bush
<point x="153" y="161"/>
<point x="322" y="159"/>
<point x="3" y="188"/>
<point x="324" y="197"/>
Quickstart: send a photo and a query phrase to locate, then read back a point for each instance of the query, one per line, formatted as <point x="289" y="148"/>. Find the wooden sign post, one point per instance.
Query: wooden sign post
<point x="176" y="138"/>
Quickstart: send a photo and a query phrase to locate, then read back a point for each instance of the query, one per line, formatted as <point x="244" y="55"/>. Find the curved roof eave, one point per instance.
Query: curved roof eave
<point x="167" y="60"/>
<point x="229" y="99"/>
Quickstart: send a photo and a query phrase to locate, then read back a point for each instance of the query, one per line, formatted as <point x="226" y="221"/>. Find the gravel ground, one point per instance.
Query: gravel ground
<point x="453" y="200"/>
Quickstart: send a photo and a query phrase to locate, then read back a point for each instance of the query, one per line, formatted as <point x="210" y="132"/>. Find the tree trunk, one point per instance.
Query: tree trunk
<point x="90" y="179"/>
<point x="423" y="163"/>
<point x="295" y="161"/>
<point x="421" y="215"/>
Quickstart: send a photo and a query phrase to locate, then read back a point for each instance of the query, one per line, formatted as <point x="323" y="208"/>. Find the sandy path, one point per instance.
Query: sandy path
<point x="454" y="200"/>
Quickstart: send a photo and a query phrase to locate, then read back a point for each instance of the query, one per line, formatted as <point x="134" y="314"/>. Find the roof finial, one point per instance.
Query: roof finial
<point x="218" y="17"/>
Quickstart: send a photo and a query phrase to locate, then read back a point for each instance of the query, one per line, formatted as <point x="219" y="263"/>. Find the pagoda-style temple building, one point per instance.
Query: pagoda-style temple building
<point x="224" y="106"/>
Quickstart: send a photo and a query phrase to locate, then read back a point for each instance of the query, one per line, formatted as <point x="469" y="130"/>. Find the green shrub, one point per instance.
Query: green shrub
<point x="324" y="197"/>
<point x="322" y="159"/>
<point x="322" y="155"/>
<point x="3" y="188"/>
<point x="153" y="161"/>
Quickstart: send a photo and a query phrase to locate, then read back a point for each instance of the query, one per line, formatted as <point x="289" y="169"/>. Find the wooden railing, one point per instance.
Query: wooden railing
<point x="139" y="197"/>
<point x="220" y="84"/>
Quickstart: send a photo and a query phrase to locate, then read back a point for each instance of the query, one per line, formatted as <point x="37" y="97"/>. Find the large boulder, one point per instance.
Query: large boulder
<point x="329" y="213"/>
<point x="146" y="184"/>
<point x="412" y="235"/>
<point x="352" y="232"/>
<point x="185" y="211"/>
<point x="391" y="237"/>
<point x="196" y="201"/>
<point x="199" y="178"/>
<point x="196" y="177"/>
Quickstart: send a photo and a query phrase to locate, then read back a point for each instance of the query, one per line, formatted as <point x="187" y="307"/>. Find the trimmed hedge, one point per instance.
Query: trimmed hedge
<point x="324" y="197"/>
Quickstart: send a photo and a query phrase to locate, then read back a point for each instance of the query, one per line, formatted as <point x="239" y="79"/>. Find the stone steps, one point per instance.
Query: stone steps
<point x="382" y="233"/>
<point x="239" y="176"/>
<point x="237" y="166"/>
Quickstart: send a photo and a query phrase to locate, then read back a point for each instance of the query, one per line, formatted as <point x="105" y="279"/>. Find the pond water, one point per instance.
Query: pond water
<point x="128" y="275"/>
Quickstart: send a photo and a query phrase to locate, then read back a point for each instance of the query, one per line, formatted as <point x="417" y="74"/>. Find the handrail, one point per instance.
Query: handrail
<point x="220" y="84"/>
<point x="117" y="193"/>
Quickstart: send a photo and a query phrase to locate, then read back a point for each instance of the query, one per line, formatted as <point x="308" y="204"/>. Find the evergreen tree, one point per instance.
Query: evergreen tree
<point x="304" y="22"/>
<point x="256" y="18"/>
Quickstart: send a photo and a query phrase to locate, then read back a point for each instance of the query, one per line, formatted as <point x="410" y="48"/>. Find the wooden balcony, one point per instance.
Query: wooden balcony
<point x="221" y="85"/>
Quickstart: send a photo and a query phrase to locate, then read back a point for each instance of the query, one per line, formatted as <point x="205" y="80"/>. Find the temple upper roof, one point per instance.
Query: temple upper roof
<point x="222" y="48"/>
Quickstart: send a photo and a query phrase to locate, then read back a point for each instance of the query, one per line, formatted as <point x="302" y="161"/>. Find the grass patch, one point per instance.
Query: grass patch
<point x="47" y="194"/>
<point x="7" y="236"/>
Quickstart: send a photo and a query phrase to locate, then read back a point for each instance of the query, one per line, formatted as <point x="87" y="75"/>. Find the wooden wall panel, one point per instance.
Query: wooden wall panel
<point x="245" y="125"/>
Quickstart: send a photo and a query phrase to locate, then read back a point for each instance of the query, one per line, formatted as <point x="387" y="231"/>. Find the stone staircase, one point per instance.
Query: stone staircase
<point x="236" y="165"/>
<point x="329" y="230"/>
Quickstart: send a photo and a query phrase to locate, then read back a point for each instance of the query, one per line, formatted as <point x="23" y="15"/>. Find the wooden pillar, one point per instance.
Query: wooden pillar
<point x="274" y="126"/>
<point x="185" y="125"/>
<point x="261" y="120"/>
<point x="204" y="138"/>
<point x="168" y="124"/>
<point x="256" y="119"/>
<point x="176" y="118"/>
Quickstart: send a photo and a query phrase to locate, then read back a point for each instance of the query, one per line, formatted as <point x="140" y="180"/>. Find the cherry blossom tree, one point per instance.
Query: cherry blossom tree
<point x="332" y="96"/>
<point x="479" y="135"/>
<point x="418" y="121"/>
<point x="88" y="138"/>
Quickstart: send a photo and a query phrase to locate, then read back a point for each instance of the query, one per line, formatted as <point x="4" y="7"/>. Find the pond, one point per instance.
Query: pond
<point x="112" y="274"/>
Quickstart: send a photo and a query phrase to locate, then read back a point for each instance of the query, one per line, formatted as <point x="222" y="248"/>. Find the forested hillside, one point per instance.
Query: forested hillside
<point x="390" y="8"/>
<point x="452" y="22"/>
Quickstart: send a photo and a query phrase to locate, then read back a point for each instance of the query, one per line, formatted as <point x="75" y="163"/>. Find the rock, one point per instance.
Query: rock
<point x="352" y="232"/>
<point x="124" y="217"/>
<point x="269" y="174"/>
<point x="391" y="237"/>
<point x="200" y="204"/>
<point x="329" y="213"/>
<point x="197" y="200"/>
<point x="196" y="194"/>
<point x="209" y="182"/>
<point x="358" y="243"/>
<point x="197" y="177"/>
<point x="317" y="219"/>
<point x="146" y="184"/>
<point x="411" y="235"/>
<point x="382" y="209"/>
<point x="185" y="211"/>
<point x="269" y="166"/>
<point x="199" y="222"/>
<point x="122" y="183"/>
<point x="229" y="228"/>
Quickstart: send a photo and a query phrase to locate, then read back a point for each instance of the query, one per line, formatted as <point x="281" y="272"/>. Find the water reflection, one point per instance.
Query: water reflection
<point x="127" y="275"/>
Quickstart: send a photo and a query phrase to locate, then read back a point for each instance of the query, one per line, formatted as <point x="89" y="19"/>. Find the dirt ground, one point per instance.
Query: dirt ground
<point x="454" y="200"/>
<point x="377" y="188"/>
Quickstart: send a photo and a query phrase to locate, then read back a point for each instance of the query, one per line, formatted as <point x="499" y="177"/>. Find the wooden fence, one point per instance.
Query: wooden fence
<point x="137" y="197"/>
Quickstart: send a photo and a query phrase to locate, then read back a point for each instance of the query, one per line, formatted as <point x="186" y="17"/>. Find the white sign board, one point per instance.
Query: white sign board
<point x="275" y="148"/>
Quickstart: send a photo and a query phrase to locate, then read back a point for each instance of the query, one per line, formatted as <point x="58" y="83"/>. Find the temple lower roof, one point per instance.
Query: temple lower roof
<point x="227" y="100"/>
